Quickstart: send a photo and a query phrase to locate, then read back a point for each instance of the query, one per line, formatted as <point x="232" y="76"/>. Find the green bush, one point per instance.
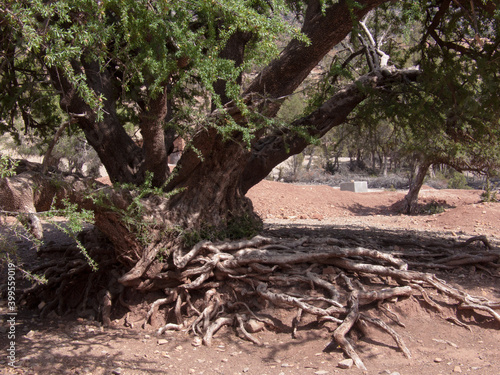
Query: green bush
<point x="458" y="181"/>
<point x="7" y="166"/>
<point x="489" y="194"/>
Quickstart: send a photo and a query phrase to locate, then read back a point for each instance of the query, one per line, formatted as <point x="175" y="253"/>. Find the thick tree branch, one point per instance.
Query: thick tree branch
<point x="277" y="147"/>
<point x="324" y="30"/>
<point x="153" y="135"/>
<point x="280" y="78"/>
<point x="121" y="157"/>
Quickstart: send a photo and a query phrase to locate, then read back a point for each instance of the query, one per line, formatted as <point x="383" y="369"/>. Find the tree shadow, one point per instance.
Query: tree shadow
<point x="361" y="210"/>
<point x="68" y="350"/>
<point x="67" y="346"/>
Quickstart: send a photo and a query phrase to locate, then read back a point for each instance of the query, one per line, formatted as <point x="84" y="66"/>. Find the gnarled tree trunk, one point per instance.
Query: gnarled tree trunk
<point x="416" y="182"/>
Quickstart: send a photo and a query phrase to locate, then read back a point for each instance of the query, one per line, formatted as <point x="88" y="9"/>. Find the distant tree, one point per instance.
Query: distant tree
<point x="451" y="116"/>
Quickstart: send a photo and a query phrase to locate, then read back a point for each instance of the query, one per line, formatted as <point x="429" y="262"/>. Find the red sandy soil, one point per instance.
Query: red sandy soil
<point x="77" y="346"/>
<point x="464" y="211"/>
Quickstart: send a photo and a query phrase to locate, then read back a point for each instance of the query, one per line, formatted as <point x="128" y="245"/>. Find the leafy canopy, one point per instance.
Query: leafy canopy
<point x="452" y="114"/>
<point x="145" y="44"/>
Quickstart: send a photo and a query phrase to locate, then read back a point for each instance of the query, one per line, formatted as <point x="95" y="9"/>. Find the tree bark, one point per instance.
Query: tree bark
<point x="211" y="193"/>
<point x="411" y="199"/>
<point x="121" y="157"/>
<point x="154" y="140"/>
<point x="324" y="30"/>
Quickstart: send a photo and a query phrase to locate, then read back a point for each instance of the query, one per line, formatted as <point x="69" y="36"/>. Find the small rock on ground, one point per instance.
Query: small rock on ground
<point x="346" y="363"/>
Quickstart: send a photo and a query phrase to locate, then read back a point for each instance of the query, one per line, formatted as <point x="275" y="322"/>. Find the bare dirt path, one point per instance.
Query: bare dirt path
<point x="64" y="345"/>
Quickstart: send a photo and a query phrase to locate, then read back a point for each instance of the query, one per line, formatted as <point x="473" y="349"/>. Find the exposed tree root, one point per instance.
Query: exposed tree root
<point x="342" y="330"/>
<point x="268" y="269"/>
<point x="342" y="281"/>
<point x="72" y="286"/>
<point x="383" y="326"/>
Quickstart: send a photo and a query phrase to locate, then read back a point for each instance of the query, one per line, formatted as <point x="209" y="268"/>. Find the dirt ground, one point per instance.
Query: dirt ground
<point x="65" y="345"/>
<point x="464" y="213"/>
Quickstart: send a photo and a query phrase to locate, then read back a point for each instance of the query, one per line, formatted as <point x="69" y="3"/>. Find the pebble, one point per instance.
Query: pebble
<point x="117" y="371"/>
<point x="457" y="369"/>
<point x="438" y="360"/>
<point x="346" y="363"/>
<point x="197" y="341"/>
<point x="162" y="341"/>
<point x="30" y="335"/>
<point x="254" y="326"/>
<point x="321" y="372"/>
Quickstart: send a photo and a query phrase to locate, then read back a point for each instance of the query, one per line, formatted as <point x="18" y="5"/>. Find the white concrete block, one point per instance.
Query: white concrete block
<point x="355" y="186"/>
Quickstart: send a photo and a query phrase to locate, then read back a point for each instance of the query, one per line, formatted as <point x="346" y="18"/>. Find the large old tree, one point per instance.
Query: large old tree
<point x="134" y="76"/>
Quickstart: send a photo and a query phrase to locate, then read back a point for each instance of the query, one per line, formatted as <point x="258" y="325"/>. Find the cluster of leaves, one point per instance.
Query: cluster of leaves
<point x="76" y="218"/>
<point x="457" y="181"/>
<point x="450" y="115"/>
<point x="459" y="59"/>
<point x="490" y="193"/>
<point x="132" y="215"/>
<point x="7" y="166"/>
<point x="144" y="44"/>
<point x="9" y="255"/>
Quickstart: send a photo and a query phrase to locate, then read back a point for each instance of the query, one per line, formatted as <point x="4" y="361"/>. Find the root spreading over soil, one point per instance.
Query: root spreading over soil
<point x="346" y="281"/>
